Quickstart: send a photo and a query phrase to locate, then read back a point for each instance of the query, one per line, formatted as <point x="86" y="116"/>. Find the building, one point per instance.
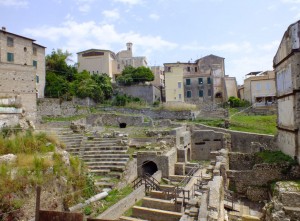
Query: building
<point x="174" y="84"/>
<point x="203" y="80"/>
<point x="97" y="61"/>
<point x="19" y="50"/>
<point x="22" y="71"/>
<point x="287" y="69"/>
<point x="259" y="88"/>
<point x="159" y="77"/>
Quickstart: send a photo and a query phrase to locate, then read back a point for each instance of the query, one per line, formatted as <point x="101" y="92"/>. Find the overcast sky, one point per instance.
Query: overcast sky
<point x="245" y="32"/>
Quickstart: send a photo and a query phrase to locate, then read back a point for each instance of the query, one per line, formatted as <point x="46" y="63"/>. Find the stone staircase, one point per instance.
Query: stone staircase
<point x="106" y="158"/>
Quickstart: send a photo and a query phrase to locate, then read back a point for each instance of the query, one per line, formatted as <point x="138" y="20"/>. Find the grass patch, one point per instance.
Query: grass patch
<point x="113" y="197"/>
<point x="63" y="119"/>
<point x="176" y="107"/>
<point x="128" y="213"/>
<point x="210" y="122"/>
<point x="254" y="123"/>
<point x="272" y="157"/>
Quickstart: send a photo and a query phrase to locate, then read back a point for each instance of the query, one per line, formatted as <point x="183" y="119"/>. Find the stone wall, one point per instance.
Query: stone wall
<point x="165" y="162"/>
<point x="204" y="142"/>
<point x="147" y="93"/>
<point x="55" y="107"/>
<point x="241" y="161"/>
<point x="253" y="182"/>
<point x="115" y="120"/>
<point x="156" y="114"/>
<point x="114" y="212"/>
<point x="245" y="142"/>
<point x="19" y="81"/>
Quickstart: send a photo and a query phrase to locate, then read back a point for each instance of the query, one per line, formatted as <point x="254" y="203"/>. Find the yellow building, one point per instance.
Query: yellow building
<point x="97" y="61"/>
<point x="174" y="89"/>
<point x="260" y="88"/>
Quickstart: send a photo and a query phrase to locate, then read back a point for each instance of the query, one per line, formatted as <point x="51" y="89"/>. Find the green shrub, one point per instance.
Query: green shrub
<point x="87" y="211"/>
<point x="272" y="157"/>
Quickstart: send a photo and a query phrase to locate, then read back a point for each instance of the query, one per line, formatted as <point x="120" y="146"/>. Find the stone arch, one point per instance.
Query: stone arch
<point x="219" y="95"/>
<point x="149" y="167"/>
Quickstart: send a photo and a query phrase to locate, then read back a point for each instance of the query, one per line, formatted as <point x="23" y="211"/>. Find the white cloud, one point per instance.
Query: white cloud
<point x="111" y="14"/>
<point x="84" y="5"/>
<point x="130" y="2"/>
<point x="75" y="36"/>
<point x="14" y="3"/>
<point x="270" y="46"/>
<point x="291" y="1"/>
<point x="154" y="16"/>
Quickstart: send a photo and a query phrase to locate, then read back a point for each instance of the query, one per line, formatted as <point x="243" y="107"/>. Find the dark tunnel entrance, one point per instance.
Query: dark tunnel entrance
<point x="149" y="167"/>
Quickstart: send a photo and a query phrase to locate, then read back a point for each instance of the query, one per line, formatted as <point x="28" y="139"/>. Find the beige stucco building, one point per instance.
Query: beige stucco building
<point x="22" y="71"/>
<point x="174" y="88"/>
<point x="97" y="61"/>
<point x="259" y="88"/>
<point x="203" y="80"/>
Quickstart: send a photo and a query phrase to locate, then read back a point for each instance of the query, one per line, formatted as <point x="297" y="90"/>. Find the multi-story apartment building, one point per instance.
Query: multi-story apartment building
<point x="99" y="61"/>
<point x="174" y="89"/>
<point x="22" y="70"/>
<point x="203" y="80"/>
<point x="259" y="88"/>
<point x="20" y="50"/>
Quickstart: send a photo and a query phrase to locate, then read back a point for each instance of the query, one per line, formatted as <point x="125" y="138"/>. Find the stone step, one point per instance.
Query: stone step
<point x="105" y="148"/>
<point x="100" y="172"/>
<point x="153" y="203"/>
<point x="101" y="144"/>
<point x="155" y="214"/>
<point x="107" y="156"/>
<point x="127" y="218"/>
<point x="176" y="178"/>
<point x="104" y="152"/>
<point x="110" y="163"/>
<point x="107" y="167"/>
<point x="95" y="160"/>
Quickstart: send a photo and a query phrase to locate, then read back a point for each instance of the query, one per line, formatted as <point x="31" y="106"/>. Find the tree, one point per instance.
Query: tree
<point x="104" y="81"/>
<point x="131" y="75"/>
<point x="56" y="85"/>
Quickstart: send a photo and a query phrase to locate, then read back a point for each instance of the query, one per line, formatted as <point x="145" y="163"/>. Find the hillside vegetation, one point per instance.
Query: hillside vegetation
<point x="39" y="160"/>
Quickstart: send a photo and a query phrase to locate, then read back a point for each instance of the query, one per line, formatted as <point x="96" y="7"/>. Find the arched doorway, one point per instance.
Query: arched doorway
<point x="149" y="167"/>
<point x="188" y="154"/>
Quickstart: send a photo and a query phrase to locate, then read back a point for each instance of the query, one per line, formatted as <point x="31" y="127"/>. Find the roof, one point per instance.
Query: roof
<point x="20" y="36"/>
<point x="93" y="49"/>
<point x="211" y="55"/>
<point x="253" y="73"/>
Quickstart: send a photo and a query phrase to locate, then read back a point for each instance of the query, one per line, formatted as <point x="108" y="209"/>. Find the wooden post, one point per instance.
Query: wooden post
<point x="37" y="203"/>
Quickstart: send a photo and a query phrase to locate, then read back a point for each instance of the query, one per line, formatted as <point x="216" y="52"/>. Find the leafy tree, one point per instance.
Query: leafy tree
<point x="56" y="86"/>
<point x="131" y="75"/>
<point x="57" y="62"/>
<point x="104" y="81"/>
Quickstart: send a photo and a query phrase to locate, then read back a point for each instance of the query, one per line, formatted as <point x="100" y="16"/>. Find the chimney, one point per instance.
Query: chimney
<point x="3" y="28"/>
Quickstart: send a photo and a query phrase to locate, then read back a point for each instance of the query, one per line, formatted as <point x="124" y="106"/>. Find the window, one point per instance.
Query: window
<point x="179" y="84"/>
<point x="208" y="80"/>
<point x="168" y="69"/>
<point x="258" y="86"/>
<point x="268" y="86"/>
<point x="209" y="92"/>
<point x="179" y="96"/>
<point x="37" y="79"/>
<point x="188" y="81"/>
<point x="196" y="69"/>
<point x="200" y="80"/>
<point x="188" y="69"/>
<point x="10" y="57"/>
<point x="34" y="63"/>
<point x="188" y="94"/>
<point x="201" y="93"/>
<point x="34" y="51"/>
<point x="10" y="42"/>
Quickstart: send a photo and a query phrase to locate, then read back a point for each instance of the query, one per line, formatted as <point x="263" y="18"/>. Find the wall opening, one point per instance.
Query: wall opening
<point x="188" y="154"/>
<point x="122" y="125"/>
<point x="149" y="167"/>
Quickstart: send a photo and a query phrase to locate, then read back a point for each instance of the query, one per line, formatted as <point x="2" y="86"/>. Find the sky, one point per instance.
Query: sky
<point x="246" y="33"/>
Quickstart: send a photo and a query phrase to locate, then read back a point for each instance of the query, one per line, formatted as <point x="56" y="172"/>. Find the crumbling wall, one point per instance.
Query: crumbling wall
<point x="204" y="142"/>
<point x="245" y="142"/>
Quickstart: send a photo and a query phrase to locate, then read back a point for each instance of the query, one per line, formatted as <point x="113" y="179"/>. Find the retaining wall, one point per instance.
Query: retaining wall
<point x="245" y="142"/>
